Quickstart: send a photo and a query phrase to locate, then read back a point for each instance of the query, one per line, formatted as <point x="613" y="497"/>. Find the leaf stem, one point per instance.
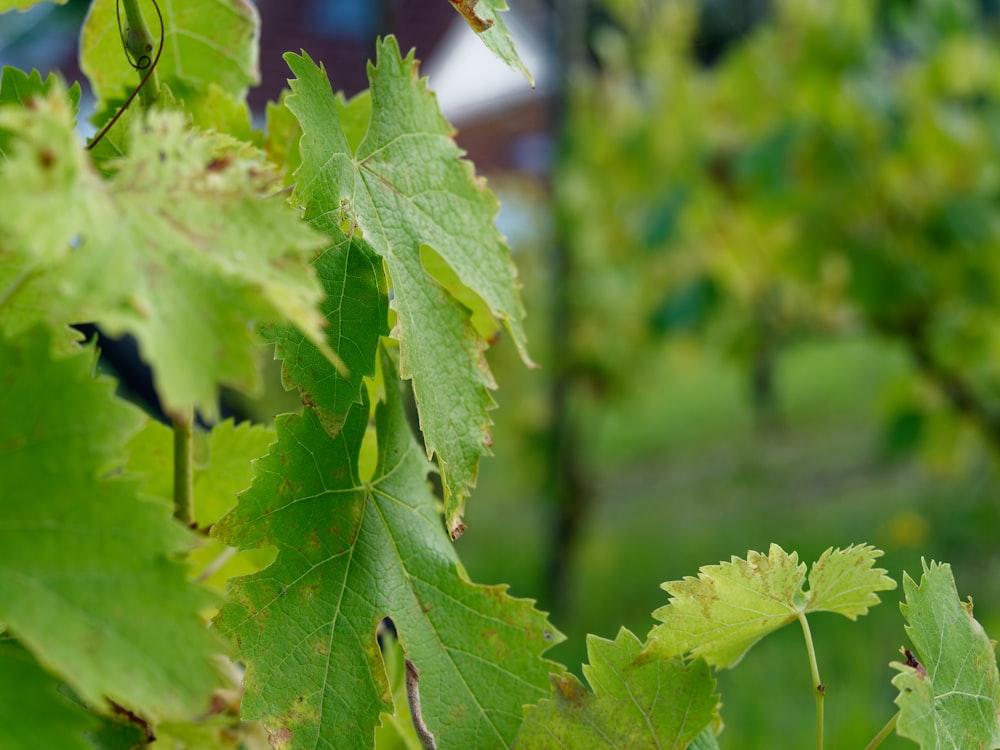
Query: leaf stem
<point x="216" y="565"/>
<point x="184" y="468"/>
<point x="140" y="45"/>
<point x="818" y="687"/>
<point x="426" y="737"/>
<point x="889" y="728"/>
<point x="15" y="286"/>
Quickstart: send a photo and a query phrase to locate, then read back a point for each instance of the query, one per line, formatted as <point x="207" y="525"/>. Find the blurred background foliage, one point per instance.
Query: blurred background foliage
<point x="767" y="310"/>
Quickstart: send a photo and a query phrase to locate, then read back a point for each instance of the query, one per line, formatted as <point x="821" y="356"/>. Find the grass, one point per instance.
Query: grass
<point x="682" y="479"/>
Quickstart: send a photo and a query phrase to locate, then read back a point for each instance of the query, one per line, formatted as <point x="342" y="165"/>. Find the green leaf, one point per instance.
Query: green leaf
<point x="34" y="715"/>
<point x="43" y="170"/>
<point x="406" y="186"/>
<point x="663" y="703"/>
<point x="88" y="575"/>
<point x="950" y="696"/>
<point x="352" y="552"/>
<point x="356" y="310"/>
<point x="845" y="581"/>
<point x="177" y="248"/>
<point x="223" y="112"/>
<point x="281" y="139"/>
<point x="6" y="5"/>
<point x="729" y="607"/>
<point x="18" y="87"/>
<point x="204" y="44"/>
<point x="484" y="18"/>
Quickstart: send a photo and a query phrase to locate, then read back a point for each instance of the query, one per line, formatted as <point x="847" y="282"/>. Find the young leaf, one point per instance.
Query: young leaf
<point x="663" y="703"/>
<point x="204" y="43"/>
<point x="845" y="581"/>
<point x="949" y="697"/>
<point x="87" y="570"/>
<point x="729" y="607"/>
<point x="483" y="16"/>
<point x="403" y="187"/>
<point x="33" y="714"/>
<point x="178" y="248"/>
<point x="350" y="553"/>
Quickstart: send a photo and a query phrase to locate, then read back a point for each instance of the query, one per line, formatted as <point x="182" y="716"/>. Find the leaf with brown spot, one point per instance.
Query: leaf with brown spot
<point x="723" y="612"/>
<point x="381" y="551"/>
<point x="663" y="703"/>
<point x="404" y="186"/>
<point x="484" y="16"/>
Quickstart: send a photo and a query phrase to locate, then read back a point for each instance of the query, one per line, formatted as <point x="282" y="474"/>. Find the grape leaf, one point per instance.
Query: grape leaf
<point x="845" y="581"/>
<point x="403" y="187"/>
<point x="356" y="310"/>
<point x="352" y="552"/>
<point x="33" y="714"/>
<point x="949" y="697"/>
<point x="87" y="575"/>
<point x="45" y="162"/>
<point x="729" y="607"/>
<point x="204" y="44"/>
<point x="484" y="18"/>
<point x="177" y="248"/>
<point x="281" y="137"/>
<point x="663" y="703"/>
<point x="18" y="87"/>
<point x="6" y="5"/>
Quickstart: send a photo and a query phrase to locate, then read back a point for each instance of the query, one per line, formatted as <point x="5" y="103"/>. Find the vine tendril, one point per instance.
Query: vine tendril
<point x="141" y="63"/>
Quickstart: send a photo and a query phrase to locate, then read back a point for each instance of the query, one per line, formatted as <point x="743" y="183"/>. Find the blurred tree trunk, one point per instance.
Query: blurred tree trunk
<point x="568" y="486"/>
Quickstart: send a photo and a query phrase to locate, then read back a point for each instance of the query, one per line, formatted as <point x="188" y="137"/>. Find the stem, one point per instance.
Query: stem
<point x="139" y="48"/>
<point x="818" y="686"/>
<point x="184" y="468"/>
<point x="427" y="741"/>
<point x="15" y="286"/>
<point x="140" y="44"/>
<point x="213" y="567"/>
<point x="889" y="728"/>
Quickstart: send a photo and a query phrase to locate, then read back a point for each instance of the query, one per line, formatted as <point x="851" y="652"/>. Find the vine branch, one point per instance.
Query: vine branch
<point x="819" y="688"/>
<point x="184" y="468"/>
<point x="137" y="42"/>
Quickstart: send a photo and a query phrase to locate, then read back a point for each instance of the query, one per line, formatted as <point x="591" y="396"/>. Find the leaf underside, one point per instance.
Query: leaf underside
<point x="177" y="248"/>
<point x="950" y="698"/>
<point x="484" y="16"/>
